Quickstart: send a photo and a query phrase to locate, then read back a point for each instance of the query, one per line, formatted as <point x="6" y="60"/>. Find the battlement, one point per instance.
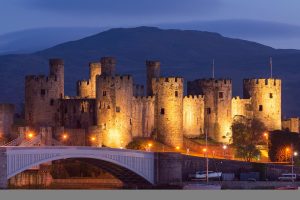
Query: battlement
<point x="262" y="81"/>
<point x="83" y="83"/>
<point x="143" y="98"/>
<point x="212" y="82"/>
<point x="56" y="61"/>
<point x="39" y="78"/>
<point x="196" y="97"/>
<point x="164" y="80"/>
<point x="94" y="64"/>
<point x="122" y="78"/>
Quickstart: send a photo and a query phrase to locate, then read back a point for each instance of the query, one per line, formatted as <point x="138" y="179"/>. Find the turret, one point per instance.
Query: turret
<point x="153" y="71"/>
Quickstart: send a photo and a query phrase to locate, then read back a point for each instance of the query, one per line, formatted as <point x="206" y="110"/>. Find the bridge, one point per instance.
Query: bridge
<point x="129" y="166"/>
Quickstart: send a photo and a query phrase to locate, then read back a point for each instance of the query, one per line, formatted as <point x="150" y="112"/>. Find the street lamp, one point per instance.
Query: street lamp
<point x="224" y="149"/>
<point x="65" y="136"/>
<point x="177" y="148"/>
<point x="149" y="146"/>
<point x="30" y="135"/>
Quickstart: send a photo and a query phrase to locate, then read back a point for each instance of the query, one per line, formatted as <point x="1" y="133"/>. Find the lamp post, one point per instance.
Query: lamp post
<point x="224" y="149"/>
<point x="292" y="159"/>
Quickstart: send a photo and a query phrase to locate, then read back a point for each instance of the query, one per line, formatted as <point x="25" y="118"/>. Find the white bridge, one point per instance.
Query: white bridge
<point x="124" y="164"/>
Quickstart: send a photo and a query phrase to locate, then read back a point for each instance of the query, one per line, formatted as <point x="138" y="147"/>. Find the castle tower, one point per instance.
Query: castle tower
<point x="108" y="66"/>
<point x="7" y="112"/>
<point x="57" y="71"/>
<point x="153" y="71"/>
<point x="41" y="93"/>
<point x="265" y="97"/>
<point x="168" y="94"/>
<point x="114" y="110"/>
<point x="95" y="69"/>
<point x="217" y="101"/>
<point x="87" y="89"/>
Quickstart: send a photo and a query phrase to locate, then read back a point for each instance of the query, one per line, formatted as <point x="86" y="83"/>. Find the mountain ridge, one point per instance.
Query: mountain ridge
<point x="185" y="53"/>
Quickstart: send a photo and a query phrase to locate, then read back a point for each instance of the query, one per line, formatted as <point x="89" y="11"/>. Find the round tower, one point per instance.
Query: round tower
<point x="217" y="106"/>
<point x="153" y="71"/>
<point x="95" y="69"/>
<point x="108" y="66"/>
<point x="57" y="71"/>
<point x="265" y="97"/>
<point x="113" y="109"/>
<point x="169" y="110"/>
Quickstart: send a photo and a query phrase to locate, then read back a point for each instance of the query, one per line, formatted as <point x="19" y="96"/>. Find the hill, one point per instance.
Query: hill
<point x="182" y="53"/>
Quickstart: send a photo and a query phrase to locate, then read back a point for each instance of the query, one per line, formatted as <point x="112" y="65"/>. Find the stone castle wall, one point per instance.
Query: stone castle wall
<point x="168" y="94"/>
<point x="143" y="116"/>
<point x="241" y="107"/>
<point x="265" y="97"/>
<point x="217" y="104"/>
<point x="76" y="113"/>
<point x="292" y="124"/>
<point x="7" y="112"/>
<point x="193" y="116"/>
<point x="114" y="109"/>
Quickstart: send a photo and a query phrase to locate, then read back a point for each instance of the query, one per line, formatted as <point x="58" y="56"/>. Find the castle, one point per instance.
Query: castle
<point x="114" y="110"/>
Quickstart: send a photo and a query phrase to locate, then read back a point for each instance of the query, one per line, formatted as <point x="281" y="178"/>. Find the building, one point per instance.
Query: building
<point x="113" y="110"/>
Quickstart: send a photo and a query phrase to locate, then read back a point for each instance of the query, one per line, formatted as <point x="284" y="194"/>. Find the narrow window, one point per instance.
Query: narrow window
<point x="104" y="93"/>
<point x="208" y="111"/>
<point x="43" y="92"/>
<point x="51" y="102"/>
<point x="221" y="95"/>
<point x="130" y="122"/>
<point x="118" y="109"/>
<point x="271" y="95"/>
<point x="162" y="111"/>
<point x="176" y="93"/>
<point x="260" y="108"/>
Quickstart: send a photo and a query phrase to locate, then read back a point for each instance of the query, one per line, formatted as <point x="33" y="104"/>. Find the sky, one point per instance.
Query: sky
<point x="27" y="14"/>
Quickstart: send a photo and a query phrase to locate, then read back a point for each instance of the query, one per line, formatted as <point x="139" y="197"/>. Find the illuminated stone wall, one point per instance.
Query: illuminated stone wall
<point x="168" y="94"/>
<point x="142" y="116"/>
<point x="193" y="116"/>
<point x="114" y="109"/>
<point x="291" y="124"/>
<point x="7" y="112"/>
<point x="41" y="93"/>
<point x="265" y="97"/>
<point x="153" y="71"/>
<point x="217" y="103"/>
<point x="241" y="107"/>
<point x="76" y="113"/>
<point x="87" y="89"/>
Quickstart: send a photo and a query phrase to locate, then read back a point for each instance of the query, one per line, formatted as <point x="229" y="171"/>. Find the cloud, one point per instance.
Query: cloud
<point x="129" y="8"/>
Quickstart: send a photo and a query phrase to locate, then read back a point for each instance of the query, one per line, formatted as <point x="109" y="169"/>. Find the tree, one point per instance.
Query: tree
<point x="246" y="135"/>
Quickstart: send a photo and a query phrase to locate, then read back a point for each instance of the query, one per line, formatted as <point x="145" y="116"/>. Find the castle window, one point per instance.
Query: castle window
<point x="208" y="111"/>
<point x="51" y="102"/>
<point x="43" y="92"/>
<point x="118" y="109"/>
<point x="176" y="93"/>
<point x="130" y="122"/>
<point x="162" y="111"/>
<point x="271" y="95"/>
<point x="221" y="95"/>
<point x="260" y="108"/>
<point x="104" y="93"/>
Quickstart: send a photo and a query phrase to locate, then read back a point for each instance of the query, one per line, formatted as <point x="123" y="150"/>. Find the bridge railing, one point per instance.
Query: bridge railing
<point x="32" y="142"/>
<point x="15" y="142"/>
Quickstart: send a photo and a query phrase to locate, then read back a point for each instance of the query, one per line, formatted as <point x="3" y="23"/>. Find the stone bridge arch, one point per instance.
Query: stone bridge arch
<point x="127" y="165"/>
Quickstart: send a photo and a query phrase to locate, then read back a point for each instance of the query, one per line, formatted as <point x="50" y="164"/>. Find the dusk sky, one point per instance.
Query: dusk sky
<point x="27" y="14"/>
